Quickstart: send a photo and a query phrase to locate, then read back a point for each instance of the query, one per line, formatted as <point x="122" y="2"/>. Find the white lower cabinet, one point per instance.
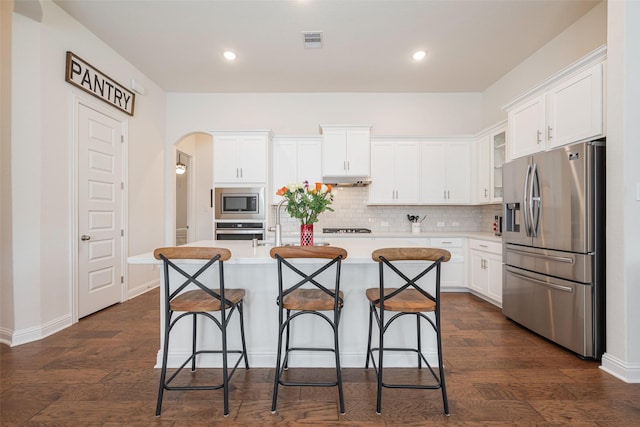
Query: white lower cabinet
<point x="485" y="268"/>
<point x="454" y="275"/>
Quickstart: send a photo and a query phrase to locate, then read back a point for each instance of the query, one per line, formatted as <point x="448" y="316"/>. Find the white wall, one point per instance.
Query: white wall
<point x="302" y="113"/>
<point x="584" y="36"/>
<point x="6" y="238"/>
<point x="623" y="177"/>
<point x="41" y="143"/>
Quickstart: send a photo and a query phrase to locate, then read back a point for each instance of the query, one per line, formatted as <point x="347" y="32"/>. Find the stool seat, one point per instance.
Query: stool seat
<point x="408" y="301"/>
<point x="199" y="301"/>
<point x="310" y="299"/>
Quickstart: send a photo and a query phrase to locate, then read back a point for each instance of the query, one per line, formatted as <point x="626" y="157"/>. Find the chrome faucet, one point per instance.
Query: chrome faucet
<point x="278" y="241"/>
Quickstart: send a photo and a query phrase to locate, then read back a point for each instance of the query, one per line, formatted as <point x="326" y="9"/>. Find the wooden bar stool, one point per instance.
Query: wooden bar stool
<point x="410" y="299"/>
<point x="182" y="300"/>
<point x="314" y="299"/>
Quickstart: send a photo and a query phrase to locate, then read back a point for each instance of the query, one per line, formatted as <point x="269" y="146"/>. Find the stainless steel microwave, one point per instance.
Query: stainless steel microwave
<point x="239" y="203"/>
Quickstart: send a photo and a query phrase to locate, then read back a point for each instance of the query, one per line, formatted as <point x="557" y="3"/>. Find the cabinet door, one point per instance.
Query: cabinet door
<point x="358" y="146"/>
<point x="527" y="128"/>
<point x="432" y="185"/>
<point x="284" y="166"/>
<point x="483" y="176"/>
<point x="309" y="161"/>
<point x="457" y="169"/>
<point x="334" y="152"/>
<point x="494" y="284"/>
<point x="499" y="147"/>
<point x="383" y="171"/>
<point x="253" y="159"/>
<point x="575" y="108"/>
<point x="226" y="167"/>
<point x="407" y="172"/>
<point x="479" y="276"/>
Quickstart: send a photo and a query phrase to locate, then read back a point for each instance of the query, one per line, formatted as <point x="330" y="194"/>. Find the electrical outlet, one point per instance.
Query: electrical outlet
<point x="455" y="224"/>
<point x="440" y="224"/>
<point x="384" y="224"/>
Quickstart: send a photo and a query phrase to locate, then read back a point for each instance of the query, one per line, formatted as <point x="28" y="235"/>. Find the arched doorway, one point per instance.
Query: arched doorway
<point x="193" y="185"/>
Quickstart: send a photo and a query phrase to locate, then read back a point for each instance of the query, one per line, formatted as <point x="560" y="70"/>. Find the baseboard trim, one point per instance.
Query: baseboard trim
<point x="141" y="289"/>
<point x="629" y="373"/>
<point x="39" y="332"/>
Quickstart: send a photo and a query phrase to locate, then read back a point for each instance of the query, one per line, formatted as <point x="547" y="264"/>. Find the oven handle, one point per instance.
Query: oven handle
<point x="244" y="231"/>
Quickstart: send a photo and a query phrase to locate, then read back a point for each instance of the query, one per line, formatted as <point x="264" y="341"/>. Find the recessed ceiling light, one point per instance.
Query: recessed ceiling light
<point x="419" y="55"/>
<point x="229" y="55"/>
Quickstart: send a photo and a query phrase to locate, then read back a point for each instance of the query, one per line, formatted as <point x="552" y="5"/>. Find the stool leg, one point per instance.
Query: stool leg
<point x="419" y="346"/>
<point x="225" y="374"/>
<point x="244" y="345"/>
<point x="276" y="381"/>
<point x="193" y="342"/>
<point x="380" y="359"/>
<point x="337" y="353"/>
<point x="445" y="401"/>
<point x="163" y="370"/>
<point x="371" y="308"/>
<point x="286" y="347"/>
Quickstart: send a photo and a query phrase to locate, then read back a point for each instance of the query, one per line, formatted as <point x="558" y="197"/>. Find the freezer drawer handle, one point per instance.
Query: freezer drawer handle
<point x="542" y="282"/>
<point x="549" y="257"/>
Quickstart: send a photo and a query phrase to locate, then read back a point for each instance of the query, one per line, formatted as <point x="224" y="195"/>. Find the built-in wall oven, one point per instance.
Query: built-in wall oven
<point x="239" y="213"/>
<point x="239" y="230"/>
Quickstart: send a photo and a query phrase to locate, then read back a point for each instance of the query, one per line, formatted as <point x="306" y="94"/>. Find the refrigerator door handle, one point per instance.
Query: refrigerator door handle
<point x="562" y="259"/>
<point x="525" y="202"/>
<point x="536" y="201"/>
<point x="542" y="282"/>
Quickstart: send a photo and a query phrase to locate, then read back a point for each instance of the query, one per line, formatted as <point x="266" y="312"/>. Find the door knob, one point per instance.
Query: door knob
<point x="84" y="237"/>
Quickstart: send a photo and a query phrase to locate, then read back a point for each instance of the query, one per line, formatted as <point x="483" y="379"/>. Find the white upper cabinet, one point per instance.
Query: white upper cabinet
<point x="345" y="151"/>
<point x="483" y="170"/>
<point x="395" y="171"/>
<point x="498" y="156"/>
<point x="445" y="172"/>
<point x="575" y="108"/>
<point x="527" y="124"/>
<point x="566" y="108"/>
<point x="294" y="159"/>
<point x="240" y="156"/>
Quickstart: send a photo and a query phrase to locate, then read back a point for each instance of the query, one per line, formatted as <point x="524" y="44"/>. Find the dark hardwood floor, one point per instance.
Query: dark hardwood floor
<point x="100" y="372"/>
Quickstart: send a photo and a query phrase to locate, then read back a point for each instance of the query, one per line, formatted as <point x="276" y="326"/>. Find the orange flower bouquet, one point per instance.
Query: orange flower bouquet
<point x="305" y="202"/>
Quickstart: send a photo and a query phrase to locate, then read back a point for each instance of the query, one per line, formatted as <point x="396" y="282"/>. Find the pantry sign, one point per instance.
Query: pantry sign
<point x="88" y="78"/>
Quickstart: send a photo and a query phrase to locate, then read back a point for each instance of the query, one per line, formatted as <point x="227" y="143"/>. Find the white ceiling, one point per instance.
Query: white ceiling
<point x="367" y="43"/>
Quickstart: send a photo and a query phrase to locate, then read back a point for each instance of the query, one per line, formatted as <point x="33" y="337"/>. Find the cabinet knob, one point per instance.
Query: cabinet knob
<point x="84" y="237"/>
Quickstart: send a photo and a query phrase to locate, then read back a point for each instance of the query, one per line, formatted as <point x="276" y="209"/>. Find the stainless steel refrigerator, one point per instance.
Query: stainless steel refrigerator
<point x="553" y="245"/>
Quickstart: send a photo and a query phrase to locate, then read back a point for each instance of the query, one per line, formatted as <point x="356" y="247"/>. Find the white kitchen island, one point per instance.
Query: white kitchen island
<point x="253" y="269"/>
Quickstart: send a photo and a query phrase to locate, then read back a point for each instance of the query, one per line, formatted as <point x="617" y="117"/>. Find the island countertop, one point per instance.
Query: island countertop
<point x="359" y="247"/>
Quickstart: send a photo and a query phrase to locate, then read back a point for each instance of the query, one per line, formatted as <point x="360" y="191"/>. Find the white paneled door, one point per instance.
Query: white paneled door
<point x="99" y="211"/>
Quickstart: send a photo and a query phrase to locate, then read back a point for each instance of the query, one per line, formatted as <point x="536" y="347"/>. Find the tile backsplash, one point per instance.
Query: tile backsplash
<point x="351" y="210"/>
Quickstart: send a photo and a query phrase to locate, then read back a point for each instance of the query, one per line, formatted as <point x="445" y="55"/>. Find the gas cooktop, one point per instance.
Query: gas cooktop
<point x="346" y="230"/>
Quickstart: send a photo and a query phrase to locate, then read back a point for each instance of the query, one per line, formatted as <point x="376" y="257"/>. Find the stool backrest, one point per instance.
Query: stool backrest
<point x="433" y="258"/>
<point x="284" y="253"/>
<point x="213" y="255"/>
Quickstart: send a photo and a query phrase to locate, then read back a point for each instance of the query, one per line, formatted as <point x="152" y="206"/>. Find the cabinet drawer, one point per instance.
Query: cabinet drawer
<point x="446" y="242"/>
<point x="484" y="245"/>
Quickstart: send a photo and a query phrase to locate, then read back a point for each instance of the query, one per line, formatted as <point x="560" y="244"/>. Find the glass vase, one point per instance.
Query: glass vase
<point x="306" y="234"/>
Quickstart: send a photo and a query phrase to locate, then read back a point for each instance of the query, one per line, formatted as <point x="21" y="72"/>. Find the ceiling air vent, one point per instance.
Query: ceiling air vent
<point x="312" y="39"/>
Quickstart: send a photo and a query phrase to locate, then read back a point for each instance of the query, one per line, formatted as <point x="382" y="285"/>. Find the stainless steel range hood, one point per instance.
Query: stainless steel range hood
<point x="347" y="181"/>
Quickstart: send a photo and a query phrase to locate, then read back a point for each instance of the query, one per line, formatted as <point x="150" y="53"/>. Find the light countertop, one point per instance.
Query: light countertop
<point x="358" y="246"/>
